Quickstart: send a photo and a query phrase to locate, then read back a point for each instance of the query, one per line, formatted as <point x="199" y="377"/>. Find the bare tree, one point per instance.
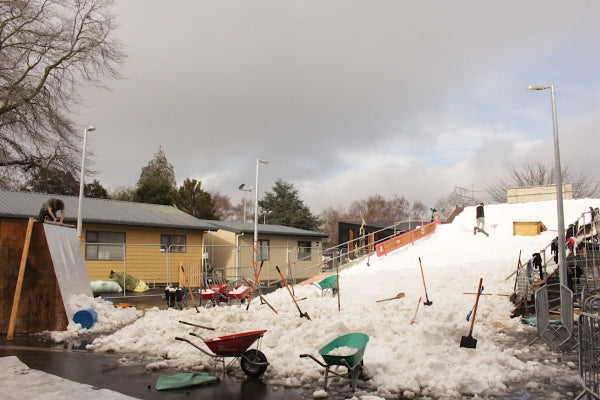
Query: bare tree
<point x="373" y="209"/>
<point x="224" y="211"/>
<point x="48" y="50"/>
<point x="398" y="208"/>
<point x="330" y="218"/>
<point x="541" y="174"/>
<point x="123" y="193"/>
<point x="419" y="211"/>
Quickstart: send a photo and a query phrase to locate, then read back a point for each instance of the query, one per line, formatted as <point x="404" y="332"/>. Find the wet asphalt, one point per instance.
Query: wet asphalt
<point x="106" y="371"/>
<point x="132" y="378"/>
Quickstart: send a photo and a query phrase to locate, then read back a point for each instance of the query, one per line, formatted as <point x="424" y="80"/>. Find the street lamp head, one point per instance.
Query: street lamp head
<point x="241" y="187"/>
<point x="90" y="129"/>
<point x="537" y="87"/>
<point x="263" y="161"/>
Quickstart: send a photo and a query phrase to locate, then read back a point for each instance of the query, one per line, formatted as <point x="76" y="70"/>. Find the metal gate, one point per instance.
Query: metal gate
<point x="589" y="355"/>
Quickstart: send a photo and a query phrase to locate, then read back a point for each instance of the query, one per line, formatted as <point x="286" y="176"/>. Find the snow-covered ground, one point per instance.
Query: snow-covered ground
<point x="401" y="359"/>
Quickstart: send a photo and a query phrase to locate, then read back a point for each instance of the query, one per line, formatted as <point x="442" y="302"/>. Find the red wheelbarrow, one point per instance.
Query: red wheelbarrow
<point x="253" y="361"/>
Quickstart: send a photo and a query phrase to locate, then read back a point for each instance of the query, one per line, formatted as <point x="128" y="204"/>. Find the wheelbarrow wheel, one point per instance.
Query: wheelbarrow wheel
<point x="254" y="363"/>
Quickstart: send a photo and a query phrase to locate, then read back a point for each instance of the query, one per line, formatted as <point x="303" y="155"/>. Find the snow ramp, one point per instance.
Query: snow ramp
<point x="69" y="266"/>
<point x="42" y="268"/>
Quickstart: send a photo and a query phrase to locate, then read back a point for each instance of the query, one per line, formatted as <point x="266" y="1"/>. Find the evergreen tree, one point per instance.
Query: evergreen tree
<point x="195" y="201"/>
<point x="53" y="181"/>
<point x="95" y="190"/>
<point x="157" y="181"/>
<point x="154" y="194"/>
<point x="284" y="207"/>
<point x="158" y="171"/>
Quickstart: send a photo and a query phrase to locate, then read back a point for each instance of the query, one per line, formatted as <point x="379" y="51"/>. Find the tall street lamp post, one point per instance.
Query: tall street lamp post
<point x="241" y="187"/>
<point x="562" y="254"/>
<point x="255" y="259"/>
<point x="79" y="226"/>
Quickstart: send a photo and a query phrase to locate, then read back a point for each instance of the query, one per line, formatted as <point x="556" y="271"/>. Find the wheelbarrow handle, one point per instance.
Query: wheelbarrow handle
<point x="194" y="344"/>
<point x="196" y="335"/>
<point x="314" y="359"/>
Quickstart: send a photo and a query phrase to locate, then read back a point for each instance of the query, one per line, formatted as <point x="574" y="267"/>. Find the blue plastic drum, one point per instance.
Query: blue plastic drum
<point x="85" y="317"/>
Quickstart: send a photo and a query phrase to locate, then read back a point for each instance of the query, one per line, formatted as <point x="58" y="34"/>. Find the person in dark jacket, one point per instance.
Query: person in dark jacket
<point x="49" y="210"/>
<point x="434" y="215"/>
<point x="480" y="216"/>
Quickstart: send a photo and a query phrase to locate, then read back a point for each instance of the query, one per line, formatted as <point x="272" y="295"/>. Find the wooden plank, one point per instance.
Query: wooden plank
<point x="17" y="297"/>
<point x="194" y="274"/>
<point x="41" y="306"/>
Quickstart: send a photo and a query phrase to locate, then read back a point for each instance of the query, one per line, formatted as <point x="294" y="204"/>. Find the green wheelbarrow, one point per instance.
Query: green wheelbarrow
<point x="329" y="283"/>
<point x="346" y="351"/>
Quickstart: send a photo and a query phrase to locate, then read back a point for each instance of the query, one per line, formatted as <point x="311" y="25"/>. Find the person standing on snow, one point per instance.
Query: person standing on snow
<point x="480" y="217"/>
<point x="434" y="215"/>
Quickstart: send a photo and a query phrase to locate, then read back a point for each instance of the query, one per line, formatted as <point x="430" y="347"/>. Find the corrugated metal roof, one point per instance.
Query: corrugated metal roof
<point x="113" y="212"/>
<point x="240" y="227"/>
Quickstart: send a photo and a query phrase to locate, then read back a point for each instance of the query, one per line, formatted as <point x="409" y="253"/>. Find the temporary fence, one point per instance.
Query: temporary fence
<point x="155" y="263"/>
<point x="589" y="354"/>
<point x="591" y="304"/>
<point x="582" y="280"/>
<point x="554" y="332"/>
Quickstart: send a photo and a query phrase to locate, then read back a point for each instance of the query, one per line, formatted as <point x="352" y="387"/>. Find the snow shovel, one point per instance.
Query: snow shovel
<point x="427" y="302"/>
<point x="305" y="315"/>
<point x="398" y="296"/>
<point x="469" y="341"/>
<point x="256" y="282"/>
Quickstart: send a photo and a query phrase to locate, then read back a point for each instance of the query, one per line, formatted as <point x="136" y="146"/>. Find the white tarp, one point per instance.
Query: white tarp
<point x="69" y="266"/>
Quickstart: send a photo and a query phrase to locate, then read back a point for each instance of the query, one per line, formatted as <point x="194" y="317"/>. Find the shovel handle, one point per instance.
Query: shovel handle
<point x="196" y="325"/>
<point x="423" y="278"/>
<point x="476" y="302"/>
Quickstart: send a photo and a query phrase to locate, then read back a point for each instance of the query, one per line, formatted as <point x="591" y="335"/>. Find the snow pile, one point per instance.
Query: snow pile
<point x="423" y="359"/>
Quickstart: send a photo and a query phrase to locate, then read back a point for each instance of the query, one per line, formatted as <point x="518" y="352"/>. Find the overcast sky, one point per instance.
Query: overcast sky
<point x="347" y="99"/>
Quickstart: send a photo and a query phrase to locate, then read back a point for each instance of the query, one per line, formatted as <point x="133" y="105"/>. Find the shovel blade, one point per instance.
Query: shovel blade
<point x="468" y="341"/>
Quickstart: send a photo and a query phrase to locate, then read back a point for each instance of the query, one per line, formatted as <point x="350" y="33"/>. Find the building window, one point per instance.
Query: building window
<point x="109" y="246"/>
<point x="263" y="250"/>
<point x="172" y="243"/>
<point x="304" y="250"/>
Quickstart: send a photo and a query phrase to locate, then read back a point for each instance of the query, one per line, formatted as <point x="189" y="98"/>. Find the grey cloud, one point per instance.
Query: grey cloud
<point x="315" y="87"/>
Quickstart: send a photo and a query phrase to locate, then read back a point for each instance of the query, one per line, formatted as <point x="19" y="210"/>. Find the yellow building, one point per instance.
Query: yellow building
<point x="297" y="252"/>
<point x="152" y="242"/>
<point x="147" y="241"/>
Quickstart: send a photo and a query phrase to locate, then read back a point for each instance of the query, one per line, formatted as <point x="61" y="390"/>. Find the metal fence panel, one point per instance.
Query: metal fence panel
<point x="589" y="355"/>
